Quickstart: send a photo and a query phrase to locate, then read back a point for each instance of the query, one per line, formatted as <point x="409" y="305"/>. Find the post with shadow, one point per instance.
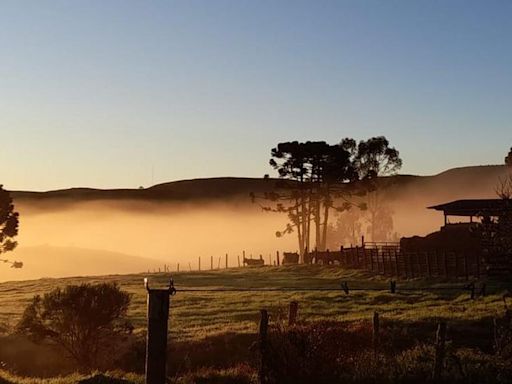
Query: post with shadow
<point x="263" y="346"/>
<point x="156" y="343"/>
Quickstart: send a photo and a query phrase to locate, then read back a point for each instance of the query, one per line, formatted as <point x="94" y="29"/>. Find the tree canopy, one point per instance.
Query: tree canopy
<point x="9" y="222"/>
<point x="86" y="320"/>
<point x="508" y="159"/>
<point x="322" y="177"/>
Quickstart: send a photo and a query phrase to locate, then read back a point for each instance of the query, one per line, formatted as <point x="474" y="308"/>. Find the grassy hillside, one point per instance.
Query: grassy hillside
<point x="201" y="314"/>
<point x="466" y="179"/>
<point x="213" y="334"/>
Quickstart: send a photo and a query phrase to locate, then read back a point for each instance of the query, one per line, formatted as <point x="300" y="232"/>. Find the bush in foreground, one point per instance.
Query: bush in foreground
<point x="88" y="321"/>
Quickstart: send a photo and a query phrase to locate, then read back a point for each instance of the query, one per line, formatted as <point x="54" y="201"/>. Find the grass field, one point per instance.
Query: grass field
<point x="200" y="314"/>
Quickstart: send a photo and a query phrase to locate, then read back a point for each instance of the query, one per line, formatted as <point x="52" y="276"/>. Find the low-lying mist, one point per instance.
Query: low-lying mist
<point x="69" y="238"/>
<point x="152" y="234"/>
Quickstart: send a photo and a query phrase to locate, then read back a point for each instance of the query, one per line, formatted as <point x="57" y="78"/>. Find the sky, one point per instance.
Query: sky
<point x="121" y="94"/>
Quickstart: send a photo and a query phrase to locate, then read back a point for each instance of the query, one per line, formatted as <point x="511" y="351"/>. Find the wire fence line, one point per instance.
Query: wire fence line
<point x="343" y="287"/>
<point x="319" y="289"/>
<point x="158" y="304"/>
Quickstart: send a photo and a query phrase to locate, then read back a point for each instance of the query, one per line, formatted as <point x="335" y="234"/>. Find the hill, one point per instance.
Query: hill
<point x="465" y="180"/>
<point x="56" y="261"/>
<point x="197" y="189"/>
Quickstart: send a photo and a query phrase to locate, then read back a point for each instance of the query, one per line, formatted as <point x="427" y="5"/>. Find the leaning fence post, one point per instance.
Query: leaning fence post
<point x="263" y="343"/>
<point x="292" y="314"/>
<point x="376" y="334"/>
<point x="392" y="286"/>
<point x="156" y="342"/>
<point x="440" y="351"/>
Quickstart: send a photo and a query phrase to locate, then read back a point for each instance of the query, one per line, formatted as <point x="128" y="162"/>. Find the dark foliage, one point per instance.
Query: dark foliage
<point x="322" y="178"/>
<point x="9" y="221"/>
<point x="88" y="321"/>
<point x="508" y="159"/>
<point x="343" y="353"/>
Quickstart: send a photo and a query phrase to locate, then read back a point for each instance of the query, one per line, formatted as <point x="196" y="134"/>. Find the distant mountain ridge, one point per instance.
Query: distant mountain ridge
<point x="207" y="188"/>
<point x="223" y="188"/>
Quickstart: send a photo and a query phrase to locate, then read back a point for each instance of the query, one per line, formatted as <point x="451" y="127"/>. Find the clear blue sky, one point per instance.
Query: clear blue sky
<point x="99" y="93"/>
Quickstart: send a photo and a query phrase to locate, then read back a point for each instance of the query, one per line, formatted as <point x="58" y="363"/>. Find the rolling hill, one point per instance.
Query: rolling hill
<point x="56" y="261"/>
<point x="463" y="179"/>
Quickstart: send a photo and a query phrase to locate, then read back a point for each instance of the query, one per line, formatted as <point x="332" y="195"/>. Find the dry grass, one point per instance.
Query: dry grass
<point x="195" y="316"/>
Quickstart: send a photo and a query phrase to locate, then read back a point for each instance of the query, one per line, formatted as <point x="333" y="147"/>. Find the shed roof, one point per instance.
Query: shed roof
<point x="478" y="207"/>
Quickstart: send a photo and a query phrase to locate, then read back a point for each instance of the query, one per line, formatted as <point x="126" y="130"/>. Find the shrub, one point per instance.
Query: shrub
<point x="88" y="321"/>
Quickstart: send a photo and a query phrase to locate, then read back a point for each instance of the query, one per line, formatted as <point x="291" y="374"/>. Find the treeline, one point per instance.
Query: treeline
<point x="320" y="178"/>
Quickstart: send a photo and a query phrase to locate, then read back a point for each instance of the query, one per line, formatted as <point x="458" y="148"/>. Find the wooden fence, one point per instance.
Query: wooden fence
<point x="390" y="261"/>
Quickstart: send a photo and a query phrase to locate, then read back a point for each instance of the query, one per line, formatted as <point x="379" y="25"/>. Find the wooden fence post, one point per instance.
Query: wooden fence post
<point x="396" y="253"/>
<point x="263" y="343"/>
<point x="238" y="256"/>
<point x="211" y="263"/>
<point x="478" y="254"/>
<point x="156" y="342"/>
<point x="226" y="261"/>
<point x="440" y="351"/>
<point x="376" y="332"/>
<point x="392" y="286"/>
<point x="277" y="255"/>
<point x="199" y="263"/>
<point x="178" y="267"/>
<point x="466" y="267"/>
<point x="292" y="314"/>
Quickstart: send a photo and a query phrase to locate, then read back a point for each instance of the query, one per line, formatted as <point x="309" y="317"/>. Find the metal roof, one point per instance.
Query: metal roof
<point x="478" y="207"/>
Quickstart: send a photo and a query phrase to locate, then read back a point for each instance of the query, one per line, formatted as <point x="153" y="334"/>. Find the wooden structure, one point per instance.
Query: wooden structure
<point x="456" y="250"/>
<point x="479" y="208"/>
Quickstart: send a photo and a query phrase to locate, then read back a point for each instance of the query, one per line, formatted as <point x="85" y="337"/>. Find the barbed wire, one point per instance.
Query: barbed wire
<point x="343" y="287"/>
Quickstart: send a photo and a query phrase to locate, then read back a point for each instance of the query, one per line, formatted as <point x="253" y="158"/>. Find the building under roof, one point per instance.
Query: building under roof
<point x="472" y="208"/>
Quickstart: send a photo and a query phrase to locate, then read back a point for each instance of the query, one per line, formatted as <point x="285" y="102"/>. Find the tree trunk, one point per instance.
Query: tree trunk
<point x="299" y="229"/>
<point x="327" y="206"/>
<point x="318" y="233"/>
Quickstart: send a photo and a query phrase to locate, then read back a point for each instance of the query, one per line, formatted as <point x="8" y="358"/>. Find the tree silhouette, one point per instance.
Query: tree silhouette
<point x="292" y="162"/>
<point x="346" y="229"/>
<point x="9" y="221"/>
<point x="86" y="320"/>
<point x="318" y="177"/>
<point x="508" y="159"/>
<point x="375" y="159"/>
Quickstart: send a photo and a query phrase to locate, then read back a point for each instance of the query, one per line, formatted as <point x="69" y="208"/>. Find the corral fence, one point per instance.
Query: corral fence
<point x="158" y="304"/>
<point x="389" y="260"/>
<point x="385" y="258"/>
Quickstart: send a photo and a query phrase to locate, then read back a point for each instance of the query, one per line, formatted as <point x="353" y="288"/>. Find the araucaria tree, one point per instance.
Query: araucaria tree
<point x="88" y="321"/>
<point x="318" y="178"/>
<point x="9" y="221"/>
